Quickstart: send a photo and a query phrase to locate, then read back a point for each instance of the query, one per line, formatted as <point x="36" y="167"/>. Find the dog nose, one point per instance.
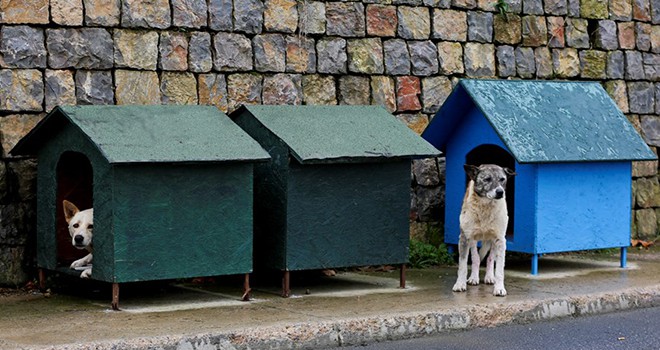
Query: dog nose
<point x="78" y="239"/>
<point x="499" y="193"/>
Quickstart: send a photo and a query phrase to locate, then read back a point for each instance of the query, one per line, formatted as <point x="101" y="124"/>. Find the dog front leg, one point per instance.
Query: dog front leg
<point x="463" y="251"/>
<point x="490" y="265"/>
<point x="500" y="251"/>
<point x="474" y="272"/>
<point x="87" y="273"/>
<point x="86" y="260"/>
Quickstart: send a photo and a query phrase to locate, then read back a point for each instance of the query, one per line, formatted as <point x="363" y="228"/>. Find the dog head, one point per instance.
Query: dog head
<point x="81" y="225"/>
<point x="489" y="179"/>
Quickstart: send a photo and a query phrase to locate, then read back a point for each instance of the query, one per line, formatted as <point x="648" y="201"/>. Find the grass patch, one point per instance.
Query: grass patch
<point x="424" y="255"/>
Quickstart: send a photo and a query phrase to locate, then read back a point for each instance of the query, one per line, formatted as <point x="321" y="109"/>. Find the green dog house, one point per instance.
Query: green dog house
<point x="336" y="192"/>
<point x="171" y="188"/>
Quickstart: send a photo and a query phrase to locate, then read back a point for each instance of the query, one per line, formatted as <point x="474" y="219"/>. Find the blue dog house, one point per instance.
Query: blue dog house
<point x="571" y="148"/>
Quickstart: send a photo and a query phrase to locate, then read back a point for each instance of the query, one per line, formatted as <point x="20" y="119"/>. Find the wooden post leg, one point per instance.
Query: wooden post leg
<point x="246" y="288"/>
<point x="42" y="280"/>
<point x="402" y="276"/>
<point x="286" y="291"/>
<point x="115" y="296"/>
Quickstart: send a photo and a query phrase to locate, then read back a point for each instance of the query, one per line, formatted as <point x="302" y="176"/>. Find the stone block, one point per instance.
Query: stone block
<point x="311" y="17"/>
<point x="21" y="90"/>
<point x="566" y="62"/>
<point x="345" y="19"/>
<point x="189" y="13"/>
<point x="655" y="39"/>
<point x="381" y="20"/>
<point x="60" y="88"/>
<point x="450" y="25"/>
<point x="243" y="88"/>
<point x="532" y="7"/>
<point x="657" y="98"/>
<point x="103" y="13"/>
<point x="332" y="58"/>
<point x="220" y="15"/>
<point x="67" y="12"/>
<point x="647" y="192"/>
<point x="416" y="122"/>
<point x="655" y="11"/>
<point x="137" y="87"/>
<point x="556" y="7"/>
<point x="84" y="48"/>
<point x="365" y="56"/>
<point x="24" y="12"/>
<point x="577" y="35"/>
<point x="13" y="128"/>
<point x="425" y="172"/>
<point x="408" y="90"/>
<point x="450" y="58"/>
<point x="615" y="65"/>
<point x="248" y="16"/>
<point x="319" y="89"/>
<point x="281" y="16"/>
<point x="593" y="64"/>
<point x="94" y="87"/>
<point x="534" y="31"/>
<point x="506" y="61"/>
<point x="414" y="22"/>
<point x="479" y="60"/>
<point x="525" y="62"/>
<point x="650" y="129"/>
<point x="407" y="2"/>
<point x="424" y="57"/>
<point x="282" y="89"/>
<point x="212" y="89"/>
<point x="634" y="65"/>
<point x="556" y="32"/>
<point x="396" y="57"/>
<point x="641" y="10"/>
<point x="178" y="88"/>
<point x="429" y="203"/>
<point x="354" y="90"/>
<point x="544" y="68"/>
<point x="480" y="26"/>
<point x="22" y="47"/>
<point x="300" y="54"/>
<point x="620" y="10"/>
<point x="232" y="52"/>
<point x="12" y="273"/>
<point x="507" y="30"/>
<point x="643" y="36"/>
<point x="136" y="49"/>
<point x="646" y="224"/>
<point x="651" y="66"/>
<point x="594" y="9"/>
<point x="269" y="53"/>
<point x="146" y="14"/>
<point x="383" y="93"/>
<point x="618" y="90"/>
<point x="641" y="97"/>
<point x="646" y="168"/>
<point x="435" y="91"/>
<point x="574" y="8"/>
<point x="200" y="59"/>
<point x="626" y="35"/>
<point x="173" y="48"/>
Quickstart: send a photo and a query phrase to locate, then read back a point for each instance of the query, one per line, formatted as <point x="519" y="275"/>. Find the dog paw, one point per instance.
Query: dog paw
<point x="489" y="279"/>
<point x="499" y="292"/>
<point x="77" y="263"/>
<point x="473" y="281"/>
<point x="86" y="273"/>
<point x="459" y="287"/>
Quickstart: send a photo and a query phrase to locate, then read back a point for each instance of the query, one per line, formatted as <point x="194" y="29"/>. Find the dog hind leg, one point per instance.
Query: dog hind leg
<point x="463" y="251"/>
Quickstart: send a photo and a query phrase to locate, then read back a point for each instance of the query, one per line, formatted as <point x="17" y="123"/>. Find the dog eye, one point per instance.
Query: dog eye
<point x="76" y="225"/>
<point x="488" y="179"/>
<point x="502" y="179"/>
<point x="90" y="226"/>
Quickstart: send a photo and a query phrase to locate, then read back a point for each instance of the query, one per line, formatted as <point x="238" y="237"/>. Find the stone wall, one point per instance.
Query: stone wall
<point x="403" y="54"/>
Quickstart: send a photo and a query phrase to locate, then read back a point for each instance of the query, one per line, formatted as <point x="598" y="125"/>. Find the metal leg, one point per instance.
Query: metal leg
<point x="402" y="276"/>
<point x="535" y="264"/>
<point x="115" y="296"/>
<point x="286" y="291"/>
<point x="624" y="256"/>
<point x="246" y="288"/>
<point x="42" y="280"/>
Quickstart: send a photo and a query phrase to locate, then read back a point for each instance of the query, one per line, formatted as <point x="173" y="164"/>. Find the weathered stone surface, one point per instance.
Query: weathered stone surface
<point x="479" y="60"/>
<point x="146" y="14"/>
<point x="593" y="64"/>
<point x="641" y="10"/>
<point x="646" y="223"/>
<point x="450" y="58"/>
<point x="655" y="38"/>
<point x="566" y="62"/>
<point x="647" y="194"/>
<point x="243" y="89"/>
<point x="577" y="35"/>
<point x="657" y="99"/>
<point x="248" y="16"/>
<point x="383" y="93"/>
<point x="21" y="90"/>
<point x="281" y="16"/>
<point x="200" y="59"/>
<point x="220" y="15"/>
<point x="300" y="54"/>
<point x="282" y="89"/>
<point x="94" y="88"/>
<point x="596" y="9"/>
<point x="407" y="2"/>
<point x="189" y="13"/>
<point x="429" y="203"/>
<point x="12" y="271"/>
<point x="464" y="4"/>
<point x="618" y="90"/>
<point x="655" y="11"/>
<point x="556" y="7"/>
<point x="173" y="48"/>
<point x="353" y="90"/>
<point x="414" y="22"/>
<point x="435" y="91"/>
<point x="319" y="90"/>
<point x="626" y="35"/>
<point x="86" y="48"/>
<point x="311" y="17"/>
<point x="424" y="57"/>
<point x="507" y="30"/>
<point x="178" y="88"/>
<point x="615" y="65"/>
<point x="397" y="57"/>
<point x="137" y="87"/>
<point x="620" y="10"/>
<point x="102" y="12"/>
<point x="574" y="8"/>
<point x="67" y="12"/>
<point x="60" y="88"/>
<point x="556" y="32"/>
<point x="646" y="168"/>
<point x="24" y="12"/>
<point x="345" y="19"/>
<point x="650" y="129"/>
<point x="12" y="129"/>
<point x="543" y="59"/>
<point x="480" y="26"/>
<point x="136" y="49"/>
<point x="634" y="65"/>
<point x="269" y="53"/>
<point x="641" y="97"/>
<point x="332" y="56"/>
<point x="416" y="122"/>
<point x="532" y="7"/>
<point x="643" y="34"/>
<point x="651" y="66"/>
<point x="534" y="31"/>
<point x="22" y="47"/>
<point x="212" y="90"/>
<point x="232" y="52"/>
<point x="425" y="172"/>
<point x="381" y="20"/>
<point x="408" y="89"/>
<point x="365" y="56"/>
<point x="525" y="62"/>
<point x="506" y="61"/>
<point x="450" y="25"/>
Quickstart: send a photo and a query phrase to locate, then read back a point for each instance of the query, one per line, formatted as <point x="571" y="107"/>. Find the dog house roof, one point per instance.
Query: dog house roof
<point x="128" y="134"/>
<point x="320" y="134"/>
<point x="544" y="121"/>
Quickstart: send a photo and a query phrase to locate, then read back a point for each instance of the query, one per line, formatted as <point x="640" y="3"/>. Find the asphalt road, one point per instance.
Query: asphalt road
<point x="632" y="329"/>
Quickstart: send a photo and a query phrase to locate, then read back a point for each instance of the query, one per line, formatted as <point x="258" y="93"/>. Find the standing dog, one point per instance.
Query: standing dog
<point x="81" y="224"/>
<point x="483" y="218"/>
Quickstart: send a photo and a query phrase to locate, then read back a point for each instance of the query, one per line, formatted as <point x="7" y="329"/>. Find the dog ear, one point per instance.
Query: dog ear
<point x="471" y="170"/>
<point x="509" y="172"/>
<point x="70" y="210"/>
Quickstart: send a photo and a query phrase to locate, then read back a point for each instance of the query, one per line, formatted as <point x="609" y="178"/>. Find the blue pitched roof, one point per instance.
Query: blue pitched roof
<point x="544" y="121"/>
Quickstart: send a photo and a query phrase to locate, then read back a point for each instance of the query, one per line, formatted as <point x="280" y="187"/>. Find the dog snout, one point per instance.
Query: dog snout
<point x="78" y="239"/>
<point x="499" y="193"/>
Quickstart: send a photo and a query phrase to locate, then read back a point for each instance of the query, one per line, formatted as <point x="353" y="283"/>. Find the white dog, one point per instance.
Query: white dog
<point x="81" y="225"/>
<point x="483" y="218"/>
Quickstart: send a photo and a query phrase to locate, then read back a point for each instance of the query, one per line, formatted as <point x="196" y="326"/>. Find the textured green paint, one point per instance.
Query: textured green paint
<point x="322" y="134"/>
<point x="543" y="121"/>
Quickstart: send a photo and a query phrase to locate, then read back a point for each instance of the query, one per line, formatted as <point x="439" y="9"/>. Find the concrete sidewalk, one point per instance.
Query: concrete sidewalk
<point x="324" y="312"/>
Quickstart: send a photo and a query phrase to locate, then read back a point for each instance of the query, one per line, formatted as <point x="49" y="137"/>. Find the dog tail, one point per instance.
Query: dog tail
<point x="485" y="248"/>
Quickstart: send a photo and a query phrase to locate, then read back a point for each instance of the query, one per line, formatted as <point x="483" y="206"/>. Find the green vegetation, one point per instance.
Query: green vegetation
<point x="424" y="255"/>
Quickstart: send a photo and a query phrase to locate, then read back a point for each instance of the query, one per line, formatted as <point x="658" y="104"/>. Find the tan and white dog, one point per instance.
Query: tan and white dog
<point x="81" y="225"/>
<point x="483" y="218"/>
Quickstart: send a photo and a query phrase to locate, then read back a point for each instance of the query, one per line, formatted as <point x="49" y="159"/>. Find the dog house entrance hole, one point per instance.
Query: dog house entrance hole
<point x="75" y="184"/>
<point x="492" y="154"/>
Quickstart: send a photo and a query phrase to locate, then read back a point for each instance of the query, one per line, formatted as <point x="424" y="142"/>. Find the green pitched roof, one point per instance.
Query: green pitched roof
<point x="544" y="121"/>
<point x="317" y="134"/>
<point x="127" y="134"/>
